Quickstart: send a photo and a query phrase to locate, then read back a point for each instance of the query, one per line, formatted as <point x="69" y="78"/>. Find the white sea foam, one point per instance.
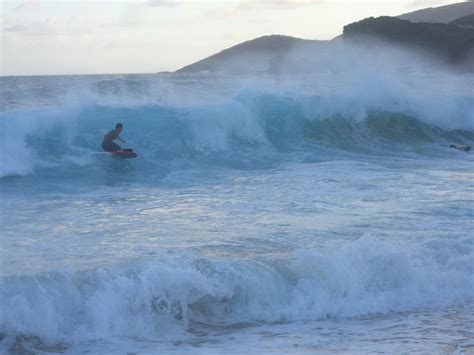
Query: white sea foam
<point x="170" y="295"/>
<point x="263" y="114"/>
<point x="259" y="209"/>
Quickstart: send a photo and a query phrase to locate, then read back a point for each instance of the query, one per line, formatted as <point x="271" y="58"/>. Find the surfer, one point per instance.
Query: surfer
<point x="464" y="148"/>
<point x="108" y="143"/>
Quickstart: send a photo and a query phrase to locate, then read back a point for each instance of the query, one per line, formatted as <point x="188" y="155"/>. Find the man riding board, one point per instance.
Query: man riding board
<point x="108" y="143"/>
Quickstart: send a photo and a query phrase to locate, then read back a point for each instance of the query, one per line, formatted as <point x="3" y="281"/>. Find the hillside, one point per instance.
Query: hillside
<point x="262" y="54"/>
<point x="451" y="43"/>
<point x="441" y="14"/>
<point x="465" y="21"/>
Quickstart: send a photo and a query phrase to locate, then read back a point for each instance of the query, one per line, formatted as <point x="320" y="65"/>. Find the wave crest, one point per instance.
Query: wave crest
<point x="176" y="294"/>
<point x="250" y="130"/>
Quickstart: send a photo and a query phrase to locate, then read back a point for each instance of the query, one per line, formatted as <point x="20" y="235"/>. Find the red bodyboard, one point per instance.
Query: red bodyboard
<point x="124" y="154"/>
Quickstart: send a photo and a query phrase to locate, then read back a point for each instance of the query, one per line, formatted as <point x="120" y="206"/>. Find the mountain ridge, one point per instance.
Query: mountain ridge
<point x="440" y="14"/>
<point x="451" y="42"/>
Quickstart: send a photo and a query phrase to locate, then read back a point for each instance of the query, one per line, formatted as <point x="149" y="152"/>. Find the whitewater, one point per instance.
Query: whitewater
<point x="264" y="214"/>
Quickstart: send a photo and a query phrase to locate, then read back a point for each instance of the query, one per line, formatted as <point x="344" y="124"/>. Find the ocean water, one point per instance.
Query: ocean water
<point x="313" y="214"/>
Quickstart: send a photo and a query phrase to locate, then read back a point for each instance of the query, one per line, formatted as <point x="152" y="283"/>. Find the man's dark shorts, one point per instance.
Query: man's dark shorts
<point x="110" y="147"/>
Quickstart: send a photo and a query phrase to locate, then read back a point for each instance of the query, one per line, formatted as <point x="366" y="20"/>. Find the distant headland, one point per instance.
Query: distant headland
<point x="444" y="35"/>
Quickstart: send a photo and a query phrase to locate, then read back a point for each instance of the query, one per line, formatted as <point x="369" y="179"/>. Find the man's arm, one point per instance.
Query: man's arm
<point x="120" y="139"/>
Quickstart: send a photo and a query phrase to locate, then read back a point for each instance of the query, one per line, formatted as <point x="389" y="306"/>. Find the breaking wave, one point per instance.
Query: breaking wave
<point x="176" y="293"/>
<point x="252" y="129"/>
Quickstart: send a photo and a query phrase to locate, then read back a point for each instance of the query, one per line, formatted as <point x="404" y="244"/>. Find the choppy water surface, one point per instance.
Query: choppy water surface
<point x="279" y="216"/>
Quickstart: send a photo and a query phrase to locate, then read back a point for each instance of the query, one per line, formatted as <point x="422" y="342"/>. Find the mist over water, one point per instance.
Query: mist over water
<point x="304" y="212"/>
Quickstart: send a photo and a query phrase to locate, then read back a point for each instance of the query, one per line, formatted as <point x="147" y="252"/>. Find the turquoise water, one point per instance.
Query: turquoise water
<point x="284" y="216"/>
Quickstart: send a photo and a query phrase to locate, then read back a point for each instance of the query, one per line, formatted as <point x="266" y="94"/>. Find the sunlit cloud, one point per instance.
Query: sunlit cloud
<point x="169" y="33"/>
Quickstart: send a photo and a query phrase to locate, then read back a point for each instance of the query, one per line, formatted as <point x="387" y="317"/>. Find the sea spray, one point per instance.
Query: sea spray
<point x="244" y="130"/>
<point x="304" y="213"/>
<point x="147" y="300"/>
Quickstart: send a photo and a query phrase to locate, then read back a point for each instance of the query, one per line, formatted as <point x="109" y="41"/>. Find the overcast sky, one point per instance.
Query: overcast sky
<point x="79" y="37"/>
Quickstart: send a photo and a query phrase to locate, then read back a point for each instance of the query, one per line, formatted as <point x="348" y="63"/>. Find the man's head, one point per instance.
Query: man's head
<point x="118" y="127"/>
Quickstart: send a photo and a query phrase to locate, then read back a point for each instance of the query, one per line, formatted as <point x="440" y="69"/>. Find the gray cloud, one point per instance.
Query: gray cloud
<point x="276" y="4"/>
<point x="246" y="6"/>
<point x="32" y="28"/>
<point x="52" y="26"/>
<point x="28" y="4"/>
<point x="433" y="3"/>
<point x="162" y="3"/>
